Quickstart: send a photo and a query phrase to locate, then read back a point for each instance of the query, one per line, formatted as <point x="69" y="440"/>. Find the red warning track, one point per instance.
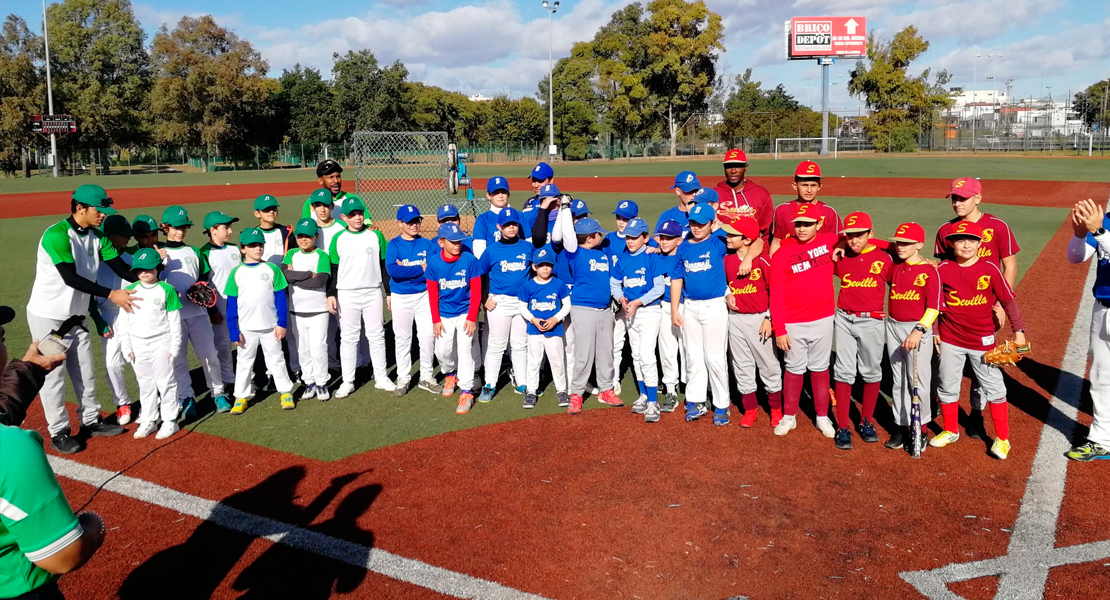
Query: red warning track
<point x="602" y="506"/>
<point x="1025" y="193"/>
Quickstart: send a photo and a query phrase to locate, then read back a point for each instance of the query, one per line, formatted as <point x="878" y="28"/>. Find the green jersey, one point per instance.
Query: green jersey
<point x="64" y="242"/>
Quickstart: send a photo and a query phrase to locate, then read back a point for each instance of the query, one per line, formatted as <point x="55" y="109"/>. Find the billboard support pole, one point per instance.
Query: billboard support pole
<point x="825" y="65"/>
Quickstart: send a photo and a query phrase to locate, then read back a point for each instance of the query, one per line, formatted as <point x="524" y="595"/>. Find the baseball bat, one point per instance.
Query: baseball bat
<point x="915" y="411"/>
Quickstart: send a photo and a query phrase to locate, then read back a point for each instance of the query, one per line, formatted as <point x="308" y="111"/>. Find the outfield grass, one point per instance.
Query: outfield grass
<point x="945" y="167"/>
<point x="370" y="419"/>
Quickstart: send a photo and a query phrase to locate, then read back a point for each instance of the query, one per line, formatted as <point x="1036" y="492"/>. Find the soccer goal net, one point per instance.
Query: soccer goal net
<point x="792" y="147"/>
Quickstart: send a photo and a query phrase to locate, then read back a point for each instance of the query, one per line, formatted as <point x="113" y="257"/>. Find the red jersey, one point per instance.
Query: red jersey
<point x="751" y="292"/>
<point x="806" y="270"/>
<point x="998" y="240"/>
<point x="863" y="280"/>
<point x="913" y="290"/>
<point x="969" y="294"/>
<point x="783" y="226"/>
<point x="748" y="200"/>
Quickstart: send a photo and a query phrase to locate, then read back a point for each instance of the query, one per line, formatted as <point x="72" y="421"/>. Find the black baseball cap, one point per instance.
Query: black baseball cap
<point x="7" y="313"/>
<point x="327" y="167"/>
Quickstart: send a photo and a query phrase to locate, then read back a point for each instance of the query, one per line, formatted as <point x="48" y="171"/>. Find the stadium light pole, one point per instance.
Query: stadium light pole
<point x="974" y="108"/>
<point x="49" y="92"/>
<point x="550" y="8"/>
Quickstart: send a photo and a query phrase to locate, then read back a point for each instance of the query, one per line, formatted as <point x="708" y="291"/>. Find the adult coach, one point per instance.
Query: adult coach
<point x="740" y="197"/>
<point x="1089" y="223"/>
<point x="69" y="255"/>
<point x="329" y="174"/>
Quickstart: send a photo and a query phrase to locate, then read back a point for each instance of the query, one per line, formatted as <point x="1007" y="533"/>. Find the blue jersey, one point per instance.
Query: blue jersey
<point x="405" y="261"/>
<point x="485" y="227"/>
<point x="675" y="214"/>
<point x="590" y="269"/>
<point x="665" y="265"/>
<point x="615" y="243"/>
<point x="634" y="275"/>
<point x="507" y="265"/>
<point x="701" y="267"/>
<point x="454" y="282"/>
<point x="1102" y="272"/>
<point x="544" y="301"/>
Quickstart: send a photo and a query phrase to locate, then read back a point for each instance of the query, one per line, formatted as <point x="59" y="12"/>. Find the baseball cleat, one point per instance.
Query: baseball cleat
<point x="575" y="406"/>
<point x="144" y="430"/>
<point x="240" y="406"/>
<point x="610" y="397"/>
<point x="430" y="386"/>
<point x="640" y="405"/>
<point x="944" y="438"/>
<point x="385" y="384"/>
<point x="223" y="405"/>
<point x="322" y="393"/>
<point x="844" y="439"/>
<point x="788" y="423"/>
<point x="720" y="416"/>
<point x="530" y="400"/>
<point x="123" y="414"/>
<point x="466" y="402"/>
<point x="670" y="402"/>
<point x="825" y="426"/>
<point x="401" y="390"/>
<point x="694" y="410"/>
<point x="651" y="412"/>
<point x="346" y="389"/>
<point x="895" y="441"/>
<point x="749" y="418"/>
<point x="167" y="429"/>
<point x="287" y="402"/>
<point x="101" y="429"/>
<point x="449" y="384"/>
<point x="562" y="399"/>
<point x="867" y="432"/>
<point x="487" y="394"/>
<point x="1088" y="452"/>
<point x="776" y="417"/>
<point x="1000" y="449"/>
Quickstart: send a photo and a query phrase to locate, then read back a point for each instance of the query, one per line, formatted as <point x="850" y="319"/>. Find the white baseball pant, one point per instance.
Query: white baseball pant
<point x="311" y="333"/>
<point x="82" y="372"/>
<point x="407" y="309"/>
<point x="271" y="354"/>
<point x="114" y="360"/>
<point x="197" y="330"/>
<point x="157" y="385"/>
<point x="538" y="346"/>
<point x="454" y="344"/>
<point x="506" y="328"/>
<point x="1100" y="375"/>
<point x="749" y="353"/>
<point x="620" y="333"/>
<point x="643" y="337"/>
<point x="670" y="349"/>
<point x="901" y="367"/>
<point x="706" y="338"/>
<point x="294" y="358"/>
<point x="222" y="340"/>
<point x="359" y="311"/>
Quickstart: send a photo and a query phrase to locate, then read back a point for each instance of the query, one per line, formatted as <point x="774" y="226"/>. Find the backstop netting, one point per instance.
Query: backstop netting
<point x="414" y="167"/>
<point x="803" y="147"/>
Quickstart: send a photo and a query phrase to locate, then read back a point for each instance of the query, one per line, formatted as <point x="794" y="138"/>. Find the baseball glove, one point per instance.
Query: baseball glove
<point x="202" y="293"/>
<point x="1006" y="355"/>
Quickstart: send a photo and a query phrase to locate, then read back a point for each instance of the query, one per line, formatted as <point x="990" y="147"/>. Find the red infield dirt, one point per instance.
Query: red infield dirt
<point x="602" y="506"/>
<point x="1024" y="193"/>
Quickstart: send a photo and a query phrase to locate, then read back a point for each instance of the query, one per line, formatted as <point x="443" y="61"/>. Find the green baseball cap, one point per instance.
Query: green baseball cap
<point x="94" y="196"/>
<point x="217" y="217"/>
<point x="265" y="201"/>
<point x="251" y="235"/>
<point x="350" y="205"/>
<point x="175" y="216"/>
<point x="144" y="224"/>
<point x="116" y="225"/>
<point x="306" y="227"/>
<point x="146" y="258"/>
<point x="321" y="196"/>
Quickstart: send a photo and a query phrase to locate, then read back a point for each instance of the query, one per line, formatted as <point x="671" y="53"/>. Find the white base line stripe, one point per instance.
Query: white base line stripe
<point x="372" y="559"/>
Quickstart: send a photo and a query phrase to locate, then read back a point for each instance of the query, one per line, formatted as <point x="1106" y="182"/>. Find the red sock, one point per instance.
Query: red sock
<point x="748" y="401"/>
<point x="819" y="381"/>
<point x="870" y="398"/>
<point x="951" y="414"/>
<point x="1000" y="414"/>
<point x="791" y="392"/>
<point x="775" y="400"/>
<point x="843" y="404"/>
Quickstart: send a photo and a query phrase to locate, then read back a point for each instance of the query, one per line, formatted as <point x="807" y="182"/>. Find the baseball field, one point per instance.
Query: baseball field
<point x="373" y="496"/>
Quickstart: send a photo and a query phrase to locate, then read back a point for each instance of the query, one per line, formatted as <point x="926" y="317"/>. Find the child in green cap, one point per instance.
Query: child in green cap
<point x="221" y="257"/>
<point x="307" y="269"/>
<point x="104" y="314"/>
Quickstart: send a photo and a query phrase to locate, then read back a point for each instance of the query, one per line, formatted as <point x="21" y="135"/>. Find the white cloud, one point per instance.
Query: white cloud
<point x="966" y="21"/>
<point x="152" y="18"/>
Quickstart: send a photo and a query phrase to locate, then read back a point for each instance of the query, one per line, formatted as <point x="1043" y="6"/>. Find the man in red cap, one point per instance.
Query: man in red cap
<point x="740" y="197"/>
<point x="864" y="273"/>
<point x="807" y="183"/>
<point x="999" y="246"/>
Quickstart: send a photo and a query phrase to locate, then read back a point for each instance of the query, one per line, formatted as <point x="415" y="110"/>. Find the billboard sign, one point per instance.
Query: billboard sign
<point x="820" y="37"/>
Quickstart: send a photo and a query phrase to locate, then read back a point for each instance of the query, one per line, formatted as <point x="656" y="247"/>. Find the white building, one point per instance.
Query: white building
<point x="996" y="113"/>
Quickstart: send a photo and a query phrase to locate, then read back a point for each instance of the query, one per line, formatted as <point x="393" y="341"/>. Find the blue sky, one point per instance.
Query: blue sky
<point x="501" y="46"/>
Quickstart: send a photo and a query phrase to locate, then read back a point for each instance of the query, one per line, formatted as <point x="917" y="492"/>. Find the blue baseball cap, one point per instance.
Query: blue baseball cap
<point x="588" y="225"/>
<point x="407" y="212"/>
<point x="497" y="183"/>
<point x="627" y="209"/>
<point x="687" y="181"/>
<point x="447" y="211"/>
<point x="542" y="171"/>
<point x="670" y="228"/>
<point x="451" y="232"/>
<point x="509" y="215"/>
<point x="549" y="190"/>
<point x="635" y="228"/>
<point x="544" y="256"/>
<point x="702" y="214"/>
<point x="706" y="195"/>
<point x="579" y="208"/>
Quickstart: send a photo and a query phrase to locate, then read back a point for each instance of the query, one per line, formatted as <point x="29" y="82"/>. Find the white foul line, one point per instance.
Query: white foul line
<point x="372" y="559"/>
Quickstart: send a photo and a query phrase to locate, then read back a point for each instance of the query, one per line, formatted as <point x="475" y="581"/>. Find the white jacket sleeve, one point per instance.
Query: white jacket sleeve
<point x="1080" y="251"/>
<point x="174" y="318"/>
<point x="564" y="229"/>
<point x="564" y="310"/>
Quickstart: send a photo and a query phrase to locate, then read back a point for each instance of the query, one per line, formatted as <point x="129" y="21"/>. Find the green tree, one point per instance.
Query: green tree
<point x="211" y="90"/>
<point x="1091" y="105"/>
<point x="22" y="93"/>
<point x="515" y="122"/>
<point x="101" y="71"/>
<point x="752" y="112"/>
<point x="307" y="103"/>
<point x="576" y="102"/>
<point x="436" y="109"/>
<point x="902" y="106"/>
<point x="620" y="56"/>
<point x="682" y="50"/>
<point x="369" y="97"/>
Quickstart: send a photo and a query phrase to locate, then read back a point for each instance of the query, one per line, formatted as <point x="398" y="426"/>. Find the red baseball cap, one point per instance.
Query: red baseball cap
<point x="745" y="226"/>
<point x="965" y="187"/>
<point x="909" y="232"/>
<point x="807" y="169"/>
<point x="806" y="212"/>
<point x="736" y="156"/>
<point x="857" y="222"/>
<point x="965" y="229"/>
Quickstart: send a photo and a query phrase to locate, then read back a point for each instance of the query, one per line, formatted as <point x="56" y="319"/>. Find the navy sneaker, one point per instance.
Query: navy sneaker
<point x="695" y="410"/>
<point x="530" y="400"/>
<point x="867" y="432"/>
<point x="720" y="417"/>
<point x="843" y="439"/>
